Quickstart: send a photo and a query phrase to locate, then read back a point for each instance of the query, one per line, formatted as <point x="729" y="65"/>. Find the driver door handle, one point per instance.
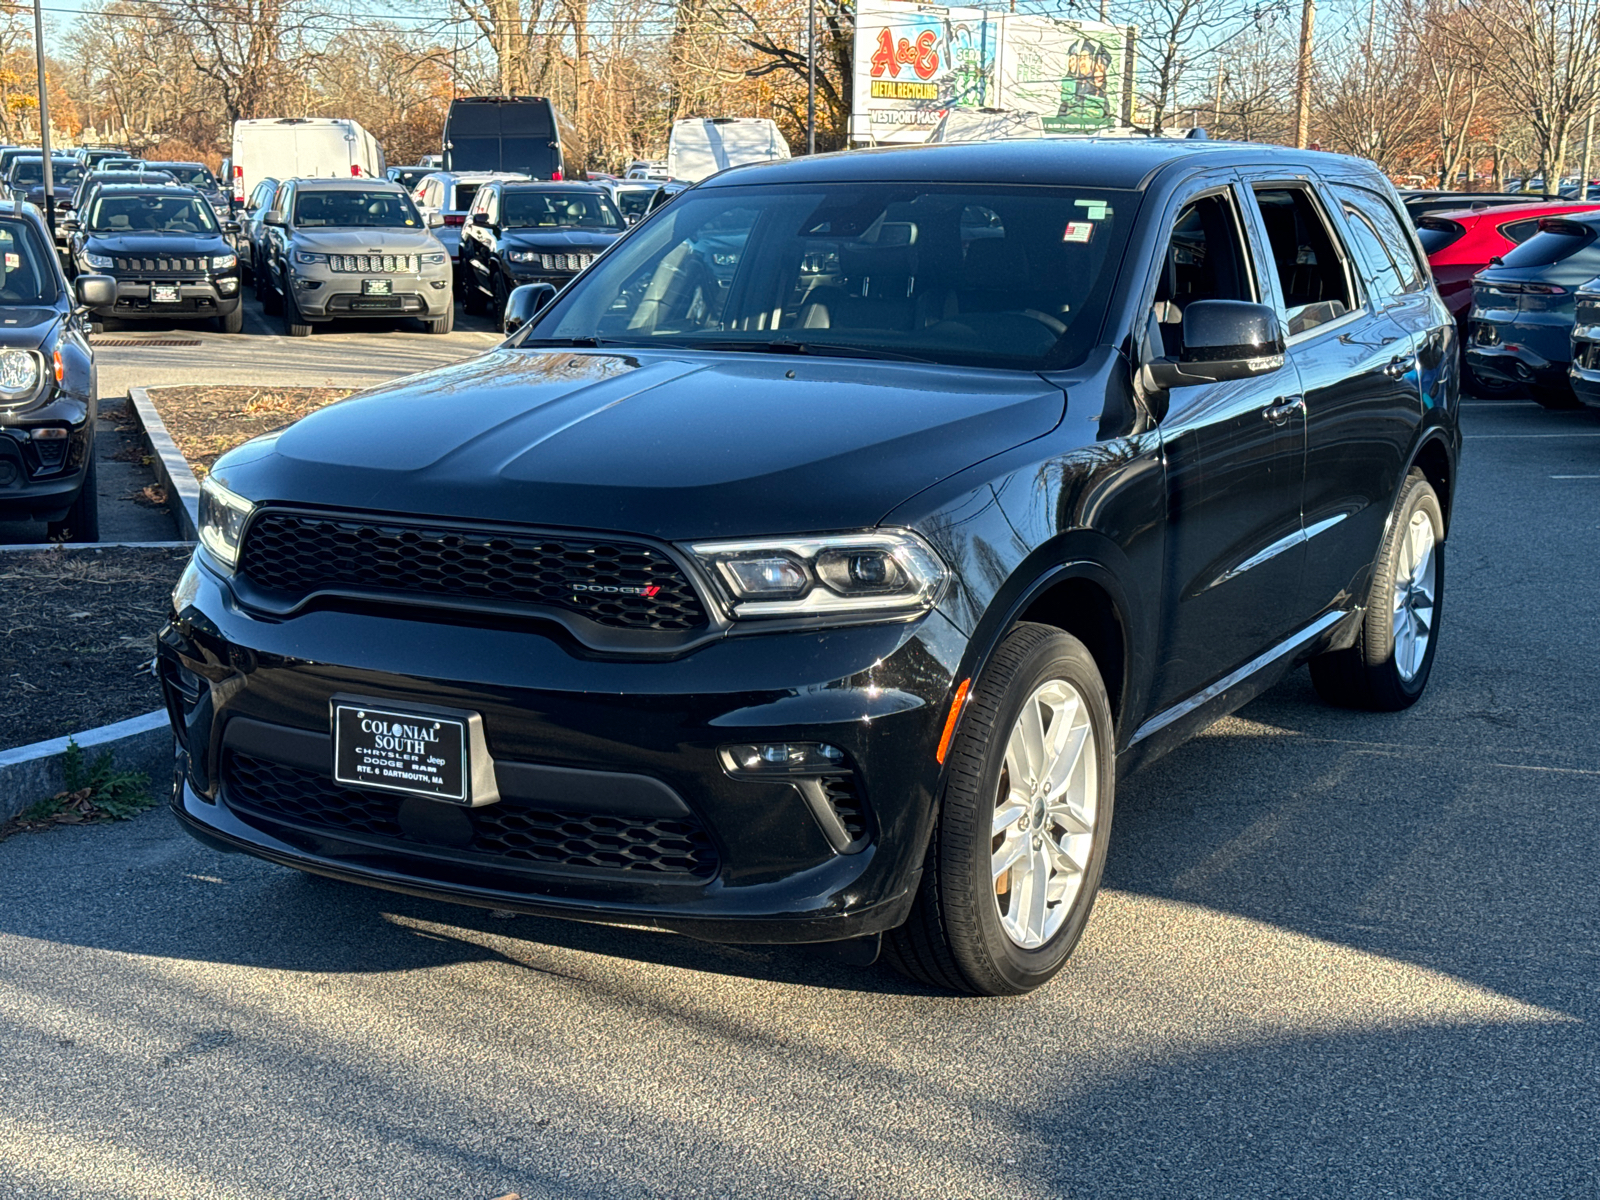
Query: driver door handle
<point x="1400" y="365"/>
<point x="1285" y="408"/>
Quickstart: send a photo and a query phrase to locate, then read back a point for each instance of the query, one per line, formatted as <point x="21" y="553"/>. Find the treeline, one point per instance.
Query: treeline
<point x="1438" y="89"/>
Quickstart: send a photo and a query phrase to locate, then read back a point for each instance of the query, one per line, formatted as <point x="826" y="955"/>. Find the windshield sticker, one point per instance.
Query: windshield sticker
<point x="1078" y="231"/>
<point x="13" y="261"/>
<point x="1094" y="210"/>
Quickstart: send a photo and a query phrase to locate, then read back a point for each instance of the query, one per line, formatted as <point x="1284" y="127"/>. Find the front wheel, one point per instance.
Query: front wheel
<point x="442" y="324"/>
<point x="1388" y="667"/>
<point x="82" y="522"/>
<point x="1015" y="864"/>
<point x="232" y="322"/>
<point x="502" y="297"/>
<point x="293" y="324"/>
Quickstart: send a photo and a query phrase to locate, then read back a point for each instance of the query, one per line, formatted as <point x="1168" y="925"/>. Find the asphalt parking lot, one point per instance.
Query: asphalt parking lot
<point x="1338" y="954"/>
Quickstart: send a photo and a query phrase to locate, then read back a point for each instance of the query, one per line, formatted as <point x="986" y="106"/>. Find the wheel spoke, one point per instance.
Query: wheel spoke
<point x="1064" y="768"/>
<point x="1038" y="893"/>
<point x="1009" y="854"/>
<point x="1008" y="813"/>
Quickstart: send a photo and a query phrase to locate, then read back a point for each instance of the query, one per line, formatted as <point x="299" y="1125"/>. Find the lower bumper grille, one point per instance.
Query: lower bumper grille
<point x="510" y="830"/>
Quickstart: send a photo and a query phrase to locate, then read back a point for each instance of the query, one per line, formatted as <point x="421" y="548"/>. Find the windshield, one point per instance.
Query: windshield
<point x="26" y="275"/>
<point x="344" y="209"/>
<point x="1560" y="240"/>
<point x="979" y="275"/>
<point x="147" y="213"/>
<point x="408" y="177"/>
<point x="190" y="175"/>
<point x="30" y="171"/>
<point x="522" y="209"/>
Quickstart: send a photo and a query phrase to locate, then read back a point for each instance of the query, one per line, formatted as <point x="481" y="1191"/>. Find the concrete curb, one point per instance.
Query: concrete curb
<point x="172" y="469"/>
<point x="29" y="774"/>
<point x="52" y="547"/>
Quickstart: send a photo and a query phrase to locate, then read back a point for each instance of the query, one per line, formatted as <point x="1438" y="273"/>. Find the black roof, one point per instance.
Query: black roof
<point x="1113" y="162"/>
<point x="153" y="189"/>
<point x="536" y="185"/>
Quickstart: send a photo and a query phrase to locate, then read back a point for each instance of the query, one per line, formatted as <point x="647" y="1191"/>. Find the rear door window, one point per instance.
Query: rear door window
<point x="1436" y="233"/>
<point x="1518" y="232"/>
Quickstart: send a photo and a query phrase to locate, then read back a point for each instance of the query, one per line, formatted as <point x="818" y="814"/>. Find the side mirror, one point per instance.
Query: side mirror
<point x="632" y="218"/>
<point x="525" y="302"/>
<point x="1222" y="340"/>
<point x="230" y="227"/>
<point x="63" y="206"/>
<point x="435" y="220"/>
<point x="71" y="226"/>
<point x="274" y="217"/>
<point x="481" y="219"/>
<point x="95" y="291"/>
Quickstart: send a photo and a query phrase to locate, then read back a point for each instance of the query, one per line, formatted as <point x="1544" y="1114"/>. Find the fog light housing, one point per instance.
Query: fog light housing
<point x="50" y="444"/>
<point x="782" y="758"/>
<point x="227" y="287"/>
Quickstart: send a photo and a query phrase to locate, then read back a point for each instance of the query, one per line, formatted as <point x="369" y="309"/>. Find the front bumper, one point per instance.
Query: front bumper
<point x="197" y="298"/>
<point x="323" y="295"/>
<point x="40" y="479"/>
<point x="618" y="754"/>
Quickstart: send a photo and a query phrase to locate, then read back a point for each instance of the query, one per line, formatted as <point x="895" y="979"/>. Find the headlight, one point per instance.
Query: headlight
<point x="101" y="262"/>
<point x="305" y="256"/>
<point x="222" y="518"/>
<point x="435" y="260"/>
<point x="888" y="571"/>
<point x="523" y="256"/>
<point x="222" y="262"/>
<point x="19" y="374"/>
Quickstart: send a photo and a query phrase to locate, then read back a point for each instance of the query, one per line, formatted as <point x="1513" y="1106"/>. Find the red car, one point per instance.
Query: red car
<point x="1459" y="244"/>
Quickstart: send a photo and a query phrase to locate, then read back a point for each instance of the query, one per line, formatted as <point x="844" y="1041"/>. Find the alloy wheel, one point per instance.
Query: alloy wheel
<point x="1415" y="584"/>
<point x="1044" y="814"/>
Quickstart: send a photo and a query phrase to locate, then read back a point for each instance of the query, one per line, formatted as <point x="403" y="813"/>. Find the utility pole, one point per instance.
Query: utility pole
<point x="1216" y="108"/>
<point x="44" y="121"/>
<point x="1588" y="141"/>
<point x="811" y="77"/>
<point x="1302" y="89"/>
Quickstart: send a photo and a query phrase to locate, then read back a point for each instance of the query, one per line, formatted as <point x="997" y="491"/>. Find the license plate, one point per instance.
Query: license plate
<point x="163" y="293"/>
<point x="377" y="287"/>
<point x="396" y="751"/>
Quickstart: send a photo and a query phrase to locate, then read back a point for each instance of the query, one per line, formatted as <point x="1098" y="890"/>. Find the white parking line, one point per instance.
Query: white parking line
<point x="1575" y="477"/>
<point x="1492" y="437"/>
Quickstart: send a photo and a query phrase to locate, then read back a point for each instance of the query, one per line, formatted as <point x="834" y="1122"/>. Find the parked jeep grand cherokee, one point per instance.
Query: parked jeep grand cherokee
<point x="813" y="566"/>
<point x="347" y="248"/>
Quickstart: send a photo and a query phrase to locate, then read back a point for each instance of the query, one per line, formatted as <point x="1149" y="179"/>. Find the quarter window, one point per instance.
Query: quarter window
<point x="1393" y="240"/>
<point x="1316" y="287"/>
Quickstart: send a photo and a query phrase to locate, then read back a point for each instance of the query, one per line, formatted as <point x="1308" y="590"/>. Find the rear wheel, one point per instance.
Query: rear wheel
<point x="82" y="522"/>
<point x="1015" y="863"/>
<point x="1388" y="667"/>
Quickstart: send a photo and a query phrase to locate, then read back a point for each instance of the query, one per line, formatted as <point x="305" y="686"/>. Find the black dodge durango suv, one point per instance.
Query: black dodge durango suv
<point x="815" y="564"/>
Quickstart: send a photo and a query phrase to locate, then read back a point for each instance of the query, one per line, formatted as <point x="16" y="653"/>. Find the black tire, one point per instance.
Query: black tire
<point x="1482" y="385"/>
<point x="1366" y="676"/>
<point x="82" y="522"/>
<point x="502" y="297"/>
<point x="954" y="938"/>
<point x="442" y="324"/>
<point x="293" y="324"/>
<point x="1556" y="399"/>
<point x="271" y="303"/>
<point x="472" y="297"/>
<point x="232" y="322"/>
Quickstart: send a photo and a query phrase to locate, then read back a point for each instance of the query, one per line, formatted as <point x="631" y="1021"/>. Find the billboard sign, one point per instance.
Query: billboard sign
<point x="915" y="62"/>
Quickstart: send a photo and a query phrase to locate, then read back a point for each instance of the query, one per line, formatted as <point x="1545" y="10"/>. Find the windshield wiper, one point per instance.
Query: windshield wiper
<point x="818" y="349"/>
<point x="590" y="342"/>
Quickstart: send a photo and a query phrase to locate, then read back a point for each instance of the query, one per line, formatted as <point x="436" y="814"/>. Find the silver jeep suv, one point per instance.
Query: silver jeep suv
<point x="341" y="248"/>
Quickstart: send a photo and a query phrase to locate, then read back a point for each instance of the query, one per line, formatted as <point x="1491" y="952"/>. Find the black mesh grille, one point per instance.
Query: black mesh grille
<point x="621" y="584"/>
<point x="510" y="829"/>
<point x="846" y="802"/>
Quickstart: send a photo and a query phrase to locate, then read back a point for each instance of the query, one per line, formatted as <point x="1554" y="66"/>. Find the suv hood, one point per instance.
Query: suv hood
<point x="565" y="240"/>
<point x="156" y="245"/>
<point x="671" y="445"/>
<point x="366" y="241"/>
<point x="27" y="328"/>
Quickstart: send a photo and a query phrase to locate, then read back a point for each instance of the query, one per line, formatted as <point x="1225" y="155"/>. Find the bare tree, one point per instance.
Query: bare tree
<point x="1174" y="36"/>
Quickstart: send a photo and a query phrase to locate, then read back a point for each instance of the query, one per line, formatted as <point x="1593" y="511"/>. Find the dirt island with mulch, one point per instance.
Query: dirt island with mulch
<point x="207" y="422"/>
<point x="77" y="636"/>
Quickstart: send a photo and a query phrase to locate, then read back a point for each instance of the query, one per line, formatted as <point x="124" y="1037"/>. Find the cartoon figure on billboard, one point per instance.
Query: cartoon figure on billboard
<point x="1084" y="101"/>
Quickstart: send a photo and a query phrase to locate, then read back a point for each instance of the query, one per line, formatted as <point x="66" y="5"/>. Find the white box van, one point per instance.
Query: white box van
<point x="702" y="146"/>
<point x="301" y="147"/>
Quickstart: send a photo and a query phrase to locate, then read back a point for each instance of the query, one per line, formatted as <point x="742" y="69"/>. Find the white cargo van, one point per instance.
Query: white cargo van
<point x="702" y="146"/>
<point x="301" y="147"/>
